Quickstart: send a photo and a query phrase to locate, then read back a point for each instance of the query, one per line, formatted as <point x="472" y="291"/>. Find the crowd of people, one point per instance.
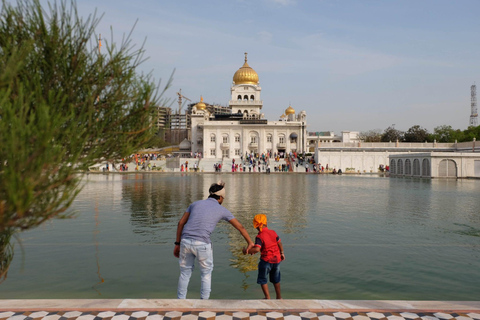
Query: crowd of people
<point x="249" y="162"/>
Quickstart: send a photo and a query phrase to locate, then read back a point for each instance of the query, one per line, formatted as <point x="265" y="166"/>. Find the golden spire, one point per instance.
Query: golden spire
<point x="201" y="105"/>
<point x="245" y="75"/>
<point x="289" y="111"/>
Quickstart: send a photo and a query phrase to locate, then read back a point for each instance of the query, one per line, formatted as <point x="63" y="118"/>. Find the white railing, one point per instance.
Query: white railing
<point x="411" y="145"/>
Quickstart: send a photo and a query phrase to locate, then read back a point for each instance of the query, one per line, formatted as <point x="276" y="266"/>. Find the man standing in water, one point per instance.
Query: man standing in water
<point x="193" y="238"/>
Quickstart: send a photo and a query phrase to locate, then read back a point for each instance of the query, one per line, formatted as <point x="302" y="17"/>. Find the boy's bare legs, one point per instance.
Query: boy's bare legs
<point x="277" y="290"/>
<point x="265" y="290"/>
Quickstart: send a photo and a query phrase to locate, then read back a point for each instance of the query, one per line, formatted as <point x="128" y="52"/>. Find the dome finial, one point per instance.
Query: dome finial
<point x="201" y="105"/>
<point x="245" y="75"/>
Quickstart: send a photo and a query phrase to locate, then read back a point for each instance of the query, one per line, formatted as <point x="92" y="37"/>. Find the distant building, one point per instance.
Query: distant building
<point x="242" y="128"/>
<point x="316" y="139"/>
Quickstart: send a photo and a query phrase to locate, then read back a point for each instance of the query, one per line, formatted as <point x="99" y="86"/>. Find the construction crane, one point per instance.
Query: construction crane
<point x="180" y="97"/>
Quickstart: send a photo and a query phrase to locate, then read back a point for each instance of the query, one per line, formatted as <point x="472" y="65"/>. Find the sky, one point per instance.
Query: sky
<point x="351" y="65"/>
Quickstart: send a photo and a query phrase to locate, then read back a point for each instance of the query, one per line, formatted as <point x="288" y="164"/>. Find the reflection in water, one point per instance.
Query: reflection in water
<point x="345" y="237"/>
<point x="283" y="202"/>
<point x="411" y="199"/>
<point x="6" y="254"/>
<point x="155" y="200"/>
<point x="467" y="230"/>
<point x="95" y="234"/>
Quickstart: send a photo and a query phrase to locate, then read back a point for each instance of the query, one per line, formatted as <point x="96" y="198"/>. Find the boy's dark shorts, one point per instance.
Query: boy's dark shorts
<point x="265" y="269"/>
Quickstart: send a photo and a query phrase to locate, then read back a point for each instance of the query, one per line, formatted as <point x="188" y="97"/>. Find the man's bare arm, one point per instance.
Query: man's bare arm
<point x="237" y="225"/>
<point x="181" y="224"/>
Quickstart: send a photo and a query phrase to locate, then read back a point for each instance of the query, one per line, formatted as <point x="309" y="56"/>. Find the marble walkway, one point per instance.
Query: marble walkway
<point x="151" y="309"/>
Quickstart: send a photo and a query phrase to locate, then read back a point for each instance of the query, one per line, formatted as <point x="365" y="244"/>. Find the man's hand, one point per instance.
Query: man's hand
<point x="250" y="246"/>
<point x="176" y="251"/>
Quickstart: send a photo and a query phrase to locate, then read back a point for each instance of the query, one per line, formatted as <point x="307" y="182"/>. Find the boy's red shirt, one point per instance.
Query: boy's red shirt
<point x="267" y="240"/>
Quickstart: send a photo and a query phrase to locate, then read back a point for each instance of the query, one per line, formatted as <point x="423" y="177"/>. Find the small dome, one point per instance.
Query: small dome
<point x="282" y="116"/>
<point x="184" y="145"/>
<point x="245" y="75"/>
<point x="201" y="105"/>
<point x="289" y="111"/>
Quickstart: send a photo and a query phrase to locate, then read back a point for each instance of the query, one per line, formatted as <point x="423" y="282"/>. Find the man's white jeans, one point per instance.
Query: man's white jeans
<point x="189" y="250"/>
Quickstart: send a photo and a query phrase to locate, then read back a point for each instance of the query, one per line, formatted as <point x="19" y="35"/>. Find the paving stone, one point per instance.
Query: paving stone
<point x="72" y="314"/>
<point x="106" y="314"/>
<point x="240" y="315"/>
<point x="409" y="315"/>
<point x="326" y="317"/>
<point x="224" y="317"/>
<point x="275" y="315"/>
<point x="258" y="317"/>
<point x="309" y="315"/>
<point x="140" y="314"/>
<point x="86" y="317"/>
<point x="359" y="317"/>
<point x="474" y="315"/>
<point x="174" y="315"/>
<point x="442" y="315"/>
<point x="52" y="317"/>
<point x="429" y="318"/>
<point x="121" y="317"/>
<point x="375" y="315"/>
<point x="342" y="315"/>
<point x="4" y="315"/>
<point x="154" y="317"/>
<point x="292" y="317"/>
<point x="38" y="314"/>
<point x="392" y="317"/>
<point x="207" y="315"/>
<point x="463" y="318"/>
<point x="18" y="317"/>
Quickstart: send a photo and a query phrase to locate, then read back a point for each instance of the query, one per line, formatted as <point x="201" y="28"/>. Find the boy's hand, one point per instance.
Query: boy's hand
<point x="282" y="256"/>
<point x="244" y="250"/>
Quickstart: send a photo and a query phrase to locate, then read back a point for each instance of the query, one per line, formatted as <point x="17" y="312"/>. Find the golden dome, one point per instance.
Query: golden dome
<point x="289" y="111"/>
<point x="245" y="75"/>
<point x="201" y="105"/>
<point x="282" y="116"/>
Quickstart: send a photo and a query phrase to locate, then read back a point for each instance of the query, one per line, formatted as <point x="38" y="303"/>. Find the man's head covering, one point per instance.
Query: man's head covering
<point x="259" y="221"/>
<point x="219" y="187"/>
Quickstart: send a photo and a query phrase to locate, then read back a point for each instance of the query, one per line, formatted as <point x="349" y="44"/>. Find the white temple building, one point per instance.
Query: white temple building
<point x="245" y="129"/>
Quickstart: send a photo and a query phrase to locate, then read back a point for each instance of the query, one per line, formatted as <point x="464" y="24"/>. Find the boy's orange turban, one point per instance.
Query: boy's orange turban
<point x="259" y="221"/>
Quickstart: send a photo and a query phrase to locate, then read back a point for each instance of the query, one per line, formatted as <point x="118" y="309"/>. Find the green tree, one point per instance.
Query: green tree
<point x="371" y="135"/>
<point x="416" y="134"/>
<point x="444" y="133"/>
<point x="391" y="134"/>
<point x="470" y="133"/>
<point x="63" y="107"/>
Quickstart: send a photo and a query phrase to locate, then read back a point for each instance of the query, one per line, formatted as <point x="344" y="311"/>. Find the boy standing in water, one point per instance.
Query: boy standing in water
<point x="270" y="247"/>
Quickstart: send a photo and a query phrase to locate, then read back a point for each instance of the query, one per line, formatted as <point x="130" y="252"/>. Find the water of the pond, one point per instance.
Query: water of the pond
<point x="345" y="237"/>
